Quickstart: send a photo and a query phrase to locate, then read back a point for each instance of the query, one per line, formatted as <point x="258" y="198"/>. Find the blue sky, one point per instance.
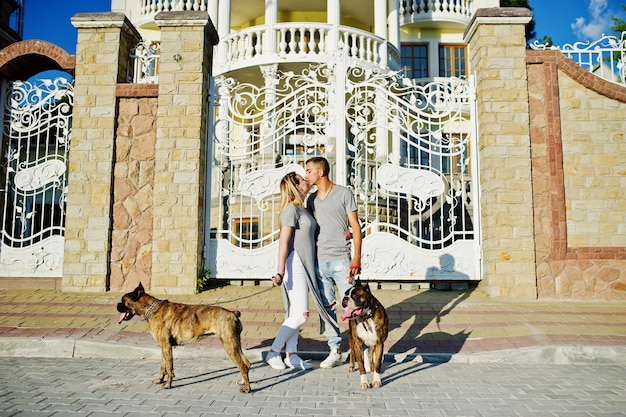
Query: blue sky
<point x="565" y="21"/>
<point x="49" y="20"/>
<point x="575" y="20"/>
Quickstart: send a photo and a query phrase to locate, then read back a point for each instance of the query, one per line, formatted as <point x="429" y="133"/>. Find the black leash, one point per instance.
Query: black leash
<point x="244" y="297"/>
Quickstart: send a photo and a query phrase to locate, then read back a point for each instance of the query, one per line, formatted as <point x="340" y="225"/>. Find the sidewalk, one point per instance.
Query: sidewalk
<point x="436" y="325"/>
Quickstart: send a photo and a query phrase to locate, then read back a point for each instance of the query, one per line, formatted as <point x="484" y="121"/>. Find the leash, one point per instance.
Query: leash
<point x="244" y="297"/>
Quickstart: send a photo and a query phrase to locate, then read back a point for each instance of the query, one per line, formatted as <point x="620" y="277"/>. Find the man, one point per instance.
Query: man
<point x="335" y="210"/>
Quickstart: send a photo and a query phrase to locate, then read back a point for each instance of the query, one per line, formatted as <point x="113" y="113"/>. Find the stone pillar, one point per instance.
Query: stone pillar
<point x="187" y="40"/>
<point x="101" y="62"/>
<point x="497" y="54"/>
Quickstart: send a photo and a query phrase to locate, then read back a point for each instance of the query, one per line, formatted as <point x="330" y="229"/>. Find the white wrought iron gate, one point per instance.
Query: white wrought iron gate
<point x="404" y="149"/>
<point x="35" y="144"/>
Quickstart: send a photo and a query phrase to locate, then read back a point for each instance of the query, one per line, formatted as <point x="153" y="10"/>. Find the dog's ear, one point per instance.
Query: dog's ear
<point x="139" y="291"/>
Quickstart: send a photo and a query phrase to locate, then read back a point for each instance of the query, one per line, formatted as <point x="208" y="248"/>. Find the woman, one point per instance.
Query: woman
<point x="296" y="271"/>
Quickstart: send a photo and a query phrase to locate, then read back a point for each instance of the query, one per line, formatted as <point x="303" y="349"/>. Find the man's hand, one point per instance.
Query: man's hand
<point x="355" y="269"/>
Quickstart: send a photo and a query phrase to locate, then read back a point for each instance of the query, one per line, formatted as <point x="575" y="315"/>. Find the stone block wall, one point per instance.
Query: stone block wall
<point x="137" y="162"/>
<point x="579" y="180"/>
<point x="187" y="40"/>
<point x="497" y="55"/>
<point x="99" y="58"/>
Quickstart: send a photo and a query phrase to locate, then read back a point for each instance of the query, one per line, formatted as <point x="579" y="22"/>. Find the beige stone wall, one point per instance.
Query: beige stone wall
<point x="594" y="165"/>
<point x="180" y="151"/>
<point x="88" y="218"/>
<point x="497" y="61"/>
<point x="136" y="182"/>
<point x="131" y="243"/>
<point x="578" y="155"/>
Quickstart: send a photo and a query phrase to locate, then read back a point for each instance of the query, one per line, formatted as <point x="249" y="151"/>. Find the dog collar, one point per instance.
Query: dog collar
<point x="149" y="310"/>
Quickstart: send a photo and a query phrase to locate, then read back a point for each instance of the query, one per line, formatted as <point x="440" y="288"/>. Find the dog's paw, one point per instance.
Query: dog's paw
<point x="245" y="386"/>
<point x="351" y="368"/>
<point x="376" y="382"/>
<point x="157" y="380"/>
<point x="364" y="382"/>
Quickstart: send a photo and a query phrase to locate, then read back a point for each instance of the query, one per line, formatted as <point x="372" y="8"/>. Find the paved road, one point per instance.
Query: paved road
<point x="111" y="387"/>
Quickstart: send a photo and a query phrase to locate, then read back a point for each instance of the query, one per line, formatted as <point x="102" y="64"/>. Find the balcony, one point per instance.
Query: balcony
<point x="302" y="42"/>
<point x="436" y="13"/>
<point x="293" y="43"/>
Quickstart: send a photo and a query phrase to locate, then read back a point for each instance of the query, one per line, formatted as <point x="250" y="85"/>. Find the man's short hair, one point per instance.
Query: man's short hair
<point x="322" y="162"/>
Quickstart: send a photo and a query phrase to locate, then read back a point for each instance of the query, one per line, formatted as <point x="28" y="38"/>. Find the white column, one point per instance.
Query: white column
<point x="270" y="75"/>
<point x="433" y="58"/>
<point x="212" y="9"/>
<point x="333" y="13"/>
<point x="223" y="28"/>
<point x="380" y="18"/>
<point x="393" y="20"/>
<point x="380" y="28"/>
<point x="271" y="18"/>
<point x="338" y="121"/>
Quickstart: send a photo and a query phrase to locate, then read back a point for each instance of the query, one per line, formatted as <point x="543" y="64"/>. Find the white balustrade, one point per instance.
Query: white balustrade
<point x="605" y="57"/>
<point x="423" y="10"/>
<point x="297" y="41"/>
<point x="155" y="6"/>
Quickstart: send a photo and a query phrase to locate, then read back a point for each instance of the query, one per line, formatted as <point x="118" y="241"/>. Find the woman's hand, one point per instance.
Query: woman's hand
<point x="277" y="279"/>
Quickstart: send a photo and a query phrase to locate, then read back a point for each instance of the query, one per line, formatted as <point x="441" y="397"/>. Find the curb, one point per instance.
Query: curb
<point x="29" y="347"/>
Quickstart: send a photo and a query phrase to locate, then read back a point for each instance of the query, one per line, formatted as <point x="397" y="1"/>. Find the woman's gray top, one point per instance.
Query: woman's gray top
<point x="303" y="242"/>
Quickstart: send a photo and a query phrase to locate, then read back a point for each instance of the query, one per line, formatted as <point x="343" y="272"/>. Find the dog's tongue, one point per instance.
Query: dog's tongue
<point x="122" y="317"/>
<point x="350" y="312"/>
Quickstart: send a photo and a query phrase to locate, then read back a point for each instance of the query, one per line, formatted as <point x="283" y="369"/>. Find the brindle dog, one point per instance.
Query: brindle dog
<point x="173" y="324"/>
<point x="368" y="326"/>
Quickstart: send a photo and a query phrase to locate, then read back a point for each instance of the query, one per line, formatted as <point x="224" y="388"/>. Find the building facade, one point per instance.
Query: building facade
<point x="186" y="115"/>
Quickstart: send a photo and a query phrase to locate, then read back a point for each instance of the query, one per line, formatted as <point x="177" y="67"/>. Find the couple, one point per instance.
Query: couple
<point x="332" y="211"/>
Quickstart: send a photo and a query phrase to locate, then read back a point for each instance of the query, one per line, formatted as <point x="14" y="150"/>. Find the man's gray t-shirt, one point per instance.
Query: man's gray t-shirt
<point x="331" y="214"/>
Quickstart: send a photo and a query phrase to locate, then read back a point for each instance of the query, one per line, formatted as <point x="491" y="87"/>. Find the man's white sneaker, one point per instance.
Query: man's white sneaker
<point x="294" y="361"/>
<point x="274" y="360"/>
<point x="333" y="359"/>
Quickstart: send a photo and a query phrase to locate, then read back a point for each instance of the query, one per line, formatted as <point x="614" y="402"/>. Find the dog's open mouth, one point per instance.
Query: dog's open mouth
<point x="350" y="313"/>
<point x="124" y="316"/>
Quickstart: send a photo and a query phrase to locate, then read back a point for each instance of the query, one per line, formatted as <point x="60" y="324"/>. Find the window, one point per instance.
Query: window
<point x="414" y="60"/>
<point x="246" y="232"/>
<point x="452" y="61"/>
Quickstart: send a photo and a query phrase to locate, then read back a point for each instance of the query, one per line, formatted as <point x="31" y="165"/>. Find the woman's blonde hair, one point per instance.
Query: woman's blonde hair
<point x="289" y="193"/>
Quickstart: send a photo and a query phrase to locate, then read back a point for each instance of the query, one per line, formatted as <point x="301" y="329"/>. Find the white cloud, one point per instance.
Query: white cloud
<point x="599" y="21"/>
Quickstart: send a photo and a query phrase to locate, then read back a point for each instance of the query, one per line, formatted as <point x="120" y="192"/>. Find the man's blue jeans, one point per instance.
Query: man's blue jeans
<point x="333" y="272"/>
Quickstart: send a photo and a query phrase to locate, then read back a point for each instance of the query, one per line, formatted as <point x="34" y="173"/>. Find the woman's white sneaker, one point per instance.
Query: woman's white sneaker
<point x="294" y="361"/>
<point x="274" y="360"/>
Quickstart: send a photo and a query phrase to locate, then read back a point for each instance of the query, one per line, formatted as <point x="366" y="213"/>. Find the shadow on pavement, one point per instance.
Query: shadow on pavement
<point x="410" y="318"/>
